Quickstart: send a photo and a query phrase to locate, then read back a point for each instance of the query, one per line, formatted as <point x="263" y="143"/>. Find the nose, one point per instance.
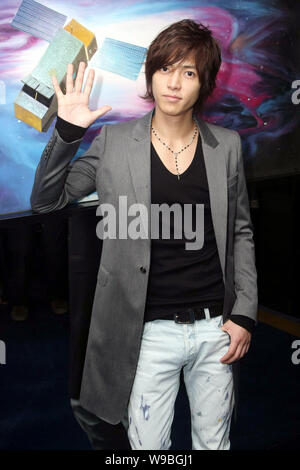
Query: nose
<point x="174" y="82"/>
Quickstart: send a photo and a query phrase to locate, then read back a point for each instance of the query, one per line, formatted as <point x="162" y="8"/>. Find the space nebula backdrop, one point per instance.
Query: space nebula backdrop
<point x="260" y="62"/>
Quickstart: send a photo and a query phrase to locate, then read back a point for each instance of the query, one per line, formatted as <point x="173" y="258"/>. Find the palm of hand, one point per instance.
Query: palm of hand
<point x="73" y="106"/>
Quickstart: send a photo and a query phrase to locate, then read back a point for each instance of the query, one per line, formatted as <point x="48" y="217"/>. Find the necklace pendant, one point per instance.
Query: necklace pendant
<point x="178" y="177"/>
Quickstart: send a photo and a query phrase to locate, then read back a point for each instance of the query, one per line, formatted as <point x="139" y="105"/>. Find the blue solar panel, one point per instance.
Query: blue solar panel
<point x="38" y="20"/>
<point x="121" y="58"/>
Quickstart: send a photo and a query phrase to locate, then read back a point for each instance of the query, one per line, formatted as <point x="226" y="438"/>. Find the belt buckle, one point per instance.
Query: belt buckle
<point x="190" y="311"/>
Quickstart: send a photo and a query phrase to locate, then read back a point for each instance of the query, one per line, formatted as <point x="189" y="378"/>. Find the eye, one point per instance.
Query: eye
<point x="164" y="69"/>
<point x="190" y="73"/>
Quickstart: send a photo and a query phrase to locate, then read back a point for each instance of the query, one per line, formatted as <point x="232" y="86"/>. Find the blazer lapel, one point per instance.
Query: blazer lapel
<point x="215" y="163"/>
<point x="139" y="160"/>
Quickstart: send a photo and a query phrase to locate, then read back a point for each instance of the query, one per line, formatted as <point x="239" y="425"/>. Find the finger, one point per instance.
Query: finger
<point x="100" y="112"/>
<point x="69" y="79"/>
<point x="56" y="86"/>
<point x="230" y="353"/>
<point x="243" y="350"/>
<point x="79" y="78"/>
<point x="238" y="353"/>
<point x="89" y="82"/>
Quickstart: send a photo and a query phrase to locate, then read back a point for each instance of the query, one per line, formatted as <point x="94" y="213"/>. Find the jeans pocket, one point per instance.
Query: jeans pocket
<point x="219" y="322"/>
<point x="147" y="327"/>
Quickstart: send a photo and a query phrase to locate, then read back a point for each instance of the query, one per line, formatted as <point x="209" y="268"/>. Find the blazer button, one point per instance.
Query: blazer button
<point x="142" y="269"/>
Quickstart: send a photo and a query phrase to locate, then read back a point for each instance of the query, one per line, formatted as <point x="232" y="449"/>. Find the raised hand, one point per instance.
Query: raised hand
<point x="73" y="106"/>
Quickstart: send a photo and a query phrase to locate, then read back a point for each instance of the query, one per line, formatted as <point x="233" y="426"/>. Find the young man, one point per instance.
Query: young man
<point x="159" y="307"/>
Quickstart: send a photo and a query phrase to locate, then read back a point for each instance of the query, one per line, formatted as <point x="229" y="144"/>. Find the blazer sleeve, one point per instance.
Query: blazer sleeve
<point x="245" y="275"/>
<point x="58" y="181"/>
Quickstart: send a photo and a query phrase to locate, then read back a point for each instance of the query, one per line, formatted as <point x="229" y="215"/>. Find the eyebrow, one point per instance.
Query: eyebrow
<point x="188" y="66"/>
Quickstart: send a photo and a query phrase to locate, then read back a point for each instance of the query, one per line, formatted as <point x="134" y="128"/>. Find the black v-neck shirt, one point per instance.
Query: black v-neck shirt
<point x="181" y="278"/>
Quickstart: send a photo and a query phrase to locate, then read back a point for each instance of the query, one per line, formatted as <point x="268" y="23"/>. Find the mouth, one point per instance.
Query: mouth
<point x="172" y="97"/>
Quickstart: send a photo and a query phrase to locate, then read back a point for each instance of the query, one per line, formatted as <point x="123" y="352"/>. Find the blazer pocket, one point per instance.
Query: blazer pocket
<point x="103" y="276"/>
<point x="232" y="180"/>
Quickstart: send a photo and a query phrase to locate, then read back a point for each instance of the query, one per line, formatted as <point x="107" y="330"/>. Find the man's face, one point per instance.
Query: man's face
<point x="176" y="87"/>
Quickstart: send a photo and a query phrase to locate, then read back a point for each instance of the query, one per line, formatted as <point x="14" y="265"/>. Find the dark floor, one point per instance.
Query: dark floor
<point x="35" y="411"/>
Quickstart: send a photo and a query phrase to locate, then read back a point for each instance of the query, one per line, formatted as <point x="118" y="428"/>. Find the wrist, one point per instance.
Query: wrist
<point x="68" y="131"/>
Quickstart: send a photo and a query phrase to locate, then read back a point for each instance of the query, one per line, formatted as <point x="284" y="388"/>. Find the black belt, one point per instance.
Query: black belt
<point x="191" y="314"/>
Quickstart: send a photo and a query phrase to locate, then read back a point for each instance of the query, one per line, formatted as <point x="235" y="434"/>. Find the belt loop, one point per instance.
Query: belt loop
<point x="207" y="316"/>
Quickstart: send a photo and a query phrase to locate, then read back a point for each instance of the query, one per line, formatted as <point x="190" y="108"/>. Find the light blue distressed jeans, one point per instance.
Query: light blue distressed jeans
<point x="166" y="348"/>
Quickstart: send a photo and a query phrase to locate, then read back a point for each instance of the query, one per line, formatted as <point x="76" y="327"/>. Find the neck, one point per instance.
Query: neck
<point x="173" y="128"/>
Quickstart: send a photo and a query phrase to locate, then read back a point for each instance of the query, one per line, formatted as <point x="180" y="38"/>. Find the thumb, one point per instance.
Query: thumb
<point x="101" y="111"/>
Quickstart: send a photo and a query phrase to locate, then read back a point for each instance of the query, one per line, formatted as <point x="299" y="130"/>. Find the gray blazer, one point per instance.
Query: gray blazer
<point x="118" y="163"/>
